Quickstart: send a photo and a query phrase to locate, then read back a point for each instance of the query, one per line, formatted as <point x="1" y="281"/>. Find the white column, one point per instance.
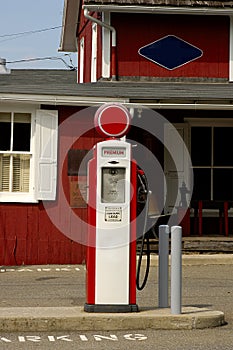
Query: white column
<point x="163" y="265"/>
<point x="106" y="40"/>
<point x="176" y="269"/>
<point x="231" y="50"/>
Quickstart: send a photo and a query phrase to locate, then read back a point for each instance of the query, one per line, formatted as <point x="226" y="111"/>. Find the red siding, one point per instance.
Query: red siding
<point x="209" y="33"/>
<point x="27" y="234"/>
<point x="87" y="53"/>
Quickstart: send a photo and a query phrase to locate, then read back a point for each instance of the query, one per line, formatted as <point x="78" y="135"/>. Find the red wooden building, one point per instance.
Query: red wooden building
<point x="34" y="159"/>
<point x="173" y="57"/>
<point x="182" y="51"/>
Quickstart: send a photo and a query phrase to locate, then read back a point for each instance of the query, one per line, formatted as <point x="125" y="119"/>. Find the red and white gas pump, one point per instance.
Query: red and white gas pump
<point x="112" y="204"/>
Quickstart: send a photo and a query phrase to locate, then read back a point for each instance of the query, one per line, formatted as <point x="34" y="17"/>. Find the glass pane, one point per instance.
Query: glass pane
<point x="22" y="132"/>
<point x="223" y="184"/>
<point x="202" y="184"/>
<point x="22" y="118"/>
<point x="5" y="131"/>
<point x="4" y="173"/>
<point x="201" y="146"/>
<point x="21" y="173"/>
<point x="223" y="138"/>
<point x="113" y="185"/>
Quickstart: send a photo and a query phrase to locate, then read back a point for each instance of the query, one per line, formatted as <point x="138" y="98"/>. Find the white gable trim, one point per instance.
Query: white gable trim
<point x="94" y="53"/>
<point x="231" y="50"/>
<point x="68" y="40"/>
<point x="176" y="10"/>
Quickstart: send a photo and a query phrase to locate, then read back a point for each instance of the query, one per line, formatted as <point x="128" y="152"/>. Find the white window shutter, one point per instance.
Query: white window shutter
<point x="46" y="145"/>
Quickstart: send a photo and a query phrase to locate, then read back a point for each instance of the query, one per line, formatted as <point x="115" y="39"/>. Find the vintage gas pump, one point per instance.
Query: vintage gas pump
<point x="112" y="205"/>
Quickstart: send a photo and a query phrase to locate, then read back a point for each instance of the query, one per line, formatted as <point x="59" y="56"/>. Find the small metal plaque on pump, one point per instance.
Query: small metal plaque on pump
<point x="113" y="214"/>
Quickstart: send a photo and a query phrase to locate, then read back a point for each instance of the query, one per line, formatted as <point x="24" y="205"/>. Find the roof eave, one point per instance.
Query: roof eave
<point x="160" y="9"/>
<point x="68" y="41"/>
<point x="55" y="100"/>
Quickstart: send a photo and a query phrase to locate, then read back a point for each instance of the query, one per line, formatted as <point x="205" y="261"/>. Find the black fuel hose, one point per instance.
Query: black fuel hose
<point x="145" y="239"/>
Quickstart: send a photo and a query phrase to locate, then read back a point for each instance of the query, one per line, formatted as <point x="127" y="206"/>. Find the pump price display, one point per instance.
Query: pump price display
<point x="113" y="214"/>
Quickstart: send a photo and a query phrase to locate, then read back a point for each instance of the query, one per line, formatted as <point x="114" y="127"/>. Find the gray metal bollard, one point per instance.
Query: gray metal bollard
<point x="176" y="269"/>
<point x="163" y="265"/>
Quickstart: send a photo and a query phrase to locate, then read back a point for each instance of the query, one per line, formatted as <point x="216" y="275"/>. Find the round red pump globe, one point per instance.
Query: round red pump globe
<point x="112" y="120"/>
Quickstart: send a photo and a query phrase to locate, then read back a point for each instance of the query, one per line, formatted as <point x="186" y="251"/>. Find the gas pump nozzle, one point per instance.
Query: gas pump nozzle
<point x="142" y="201"/>
<point x="142" y="187"/>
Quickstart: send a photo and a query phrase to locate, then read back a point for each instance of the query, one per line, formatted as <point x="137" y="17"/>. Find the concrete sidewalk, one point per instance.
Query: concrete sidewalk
<point x="14" y="318"/>
<point x="75" y="319"/>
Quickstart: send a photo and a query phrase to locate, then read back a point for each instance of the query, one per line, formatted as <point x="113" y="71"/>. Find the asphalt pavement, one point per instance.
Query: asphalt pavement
<point x="48" y="298"/>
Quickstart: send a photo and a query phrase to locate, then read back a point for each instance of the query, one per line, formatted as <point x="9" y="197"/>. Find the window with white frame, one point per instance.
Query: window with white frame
<point x="28" y="152"/>
<point x="15" y="152"/>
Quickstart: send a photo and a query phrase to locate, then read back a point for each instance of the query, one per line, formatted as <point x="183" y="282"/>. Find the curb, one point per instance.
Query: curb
<point x="198" y="259"/>
<point x="75" y="319"/>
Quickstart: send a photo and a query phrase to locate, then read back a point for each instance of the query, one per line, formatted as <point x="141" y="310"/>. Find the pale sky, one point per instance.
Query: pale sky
<point x="20" y="16"/>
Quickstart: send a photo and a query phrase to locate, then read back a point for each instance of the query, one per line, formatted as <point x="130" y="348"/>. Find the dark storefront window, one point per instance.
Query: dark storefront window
<point x="211" y="152"/>
<point x="201" y="146"/>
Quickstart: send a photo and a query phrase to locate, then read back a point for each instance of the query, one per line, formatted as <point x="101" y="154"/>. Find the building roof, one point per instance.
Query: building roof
<point x="39" y="81"/>
<point x="60" y="87"/>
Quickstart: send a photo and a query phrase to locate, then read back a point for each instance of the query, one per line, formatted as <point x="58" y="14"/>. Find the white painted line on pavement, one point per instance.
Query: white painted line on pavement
<point x="40" y="269"/>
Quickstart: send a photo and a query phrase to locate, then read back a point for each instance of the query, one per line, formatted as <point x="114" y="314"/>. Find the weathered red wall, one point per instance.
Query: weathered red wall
<point x="27" y="235"/>
<point x="209" y="33"/>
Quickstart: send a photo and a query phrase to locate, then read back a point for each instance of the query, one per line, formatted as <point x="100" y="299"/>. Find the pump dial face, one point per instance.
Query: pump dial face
<point x="113" y="185"/>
